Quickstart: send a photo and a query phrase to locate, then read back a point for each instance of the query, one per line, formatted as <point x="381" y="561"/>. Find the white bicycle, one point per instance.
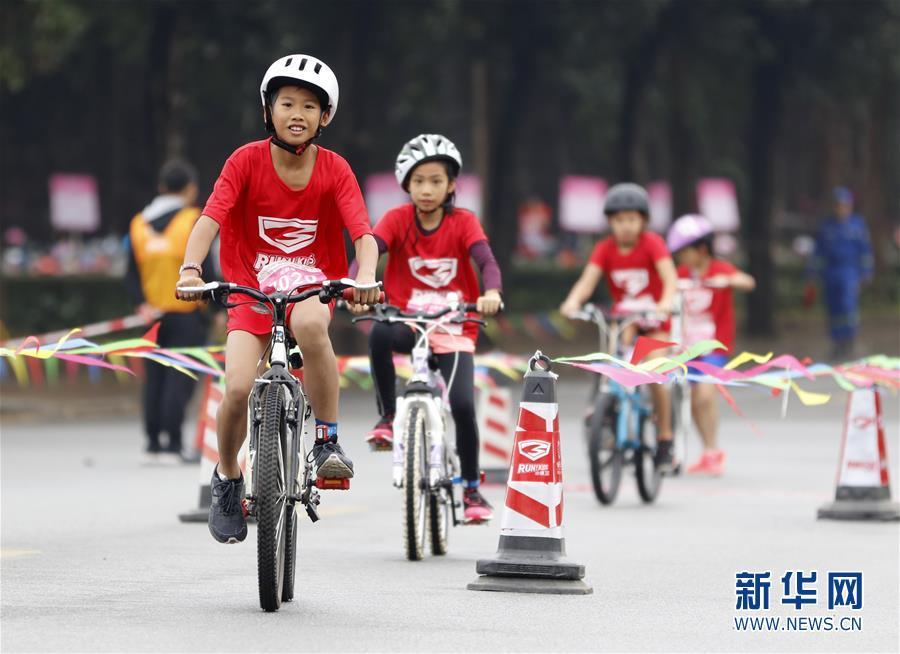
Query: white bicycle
<point x="425" y="464"/>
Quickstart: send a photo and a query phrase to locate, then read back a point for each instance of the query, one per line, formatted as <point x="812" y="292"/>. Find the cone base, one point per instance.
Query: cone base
<point x="875" y="510"/>
<point x="531" y="585"/>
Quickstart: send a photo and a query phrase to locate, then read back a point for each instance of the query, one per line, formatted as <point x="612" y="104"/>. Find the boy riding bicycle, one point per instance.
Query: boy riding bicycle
<point x="430" y="243"/>
<point x="281" y="198"/>
<point x="639" y="272"/>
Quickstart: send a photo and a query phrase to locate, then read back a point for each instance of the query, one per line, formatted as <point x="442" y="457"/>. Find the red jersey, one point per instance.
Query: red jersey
<point x="633" y="275"/>
<point x="263" y="220"/>
<point x="708" y="312"/>
<point x="424" y="267"/>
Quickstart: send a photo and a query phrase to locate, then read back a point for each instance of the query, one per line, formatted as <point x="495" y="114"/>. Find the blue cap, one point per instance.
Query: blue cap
<point x="843" y="194"/>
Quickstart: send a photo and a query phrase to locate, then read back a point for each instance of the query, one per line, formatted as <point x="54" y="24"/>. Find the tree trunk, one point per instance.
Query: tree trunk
<point x="682" y="150"/>
<point x="765" y="111"/>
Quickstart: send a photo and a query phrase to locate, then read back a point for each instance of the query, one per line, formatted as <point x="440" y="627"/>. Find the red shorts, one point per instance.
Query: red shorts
<point x="256" y="318"/>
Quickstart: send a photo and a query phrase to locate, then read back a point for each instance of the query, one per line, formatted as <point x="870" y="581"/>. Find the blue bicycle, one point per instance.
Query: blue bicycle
<point x="619" y="425"/>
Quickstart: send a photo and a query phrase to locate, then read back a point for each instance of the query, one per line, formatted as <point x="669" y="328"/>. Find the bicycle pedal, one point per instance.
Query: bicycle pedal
<point x="245" y="507"/>
<point x="332" y="484"/>
<point x="380" y="446"/>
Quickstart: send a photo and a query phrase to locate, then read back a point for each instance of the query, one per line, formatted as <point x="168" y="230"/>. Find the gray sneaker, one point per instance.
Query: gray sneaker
<point x="226" y="514"/>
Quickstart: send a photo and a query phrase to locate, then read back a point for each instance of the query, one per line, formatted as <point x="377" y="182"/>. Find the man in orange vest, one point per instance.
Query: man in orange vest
<point x="157" y="239"/>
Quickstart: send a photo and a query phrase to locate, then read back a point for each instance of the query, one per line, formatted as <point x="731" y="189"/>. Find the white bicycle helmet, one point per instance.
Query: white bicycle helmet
<point x="425" y="147"/>
<point x="306" y="70"/>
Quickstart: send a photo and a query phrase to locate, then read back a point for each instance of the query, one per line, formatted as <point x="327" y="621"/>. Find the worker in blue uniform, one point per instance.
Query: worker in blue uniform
<point x="843" y="261"/>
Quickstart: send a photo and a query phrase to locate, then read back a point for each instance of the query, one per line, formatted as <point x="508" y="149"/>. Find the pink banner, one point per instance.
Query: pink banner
<point x="383" y="193"/>
<point x="74" y="203"/>
<point x="468" y="193"/>
<point x="717" y="200"/>
<point x="581" y="204"/>
<point x="660" y="206"/>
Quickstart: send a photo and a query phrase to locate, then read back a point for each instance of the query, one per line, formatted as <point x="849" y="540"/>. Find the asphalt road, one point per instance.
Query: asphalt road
<point x="94" y="558"/>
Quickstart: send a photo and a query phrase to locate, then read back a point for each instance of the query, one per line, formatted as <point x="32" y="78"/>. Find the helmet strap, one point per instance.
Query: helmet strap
<point x="284" y="145"/>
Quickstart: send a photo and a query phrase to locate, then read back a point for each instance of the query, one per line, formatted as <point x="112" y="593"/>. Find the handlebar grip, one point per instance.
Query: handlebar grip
<point x="347" y="294"/>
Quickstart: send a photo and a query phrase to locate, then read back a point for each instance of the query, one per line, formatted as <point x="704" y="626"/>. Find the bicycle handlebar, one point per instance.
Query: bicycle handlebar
<point x="329" y="290"/>
<point x="391" y="313"/>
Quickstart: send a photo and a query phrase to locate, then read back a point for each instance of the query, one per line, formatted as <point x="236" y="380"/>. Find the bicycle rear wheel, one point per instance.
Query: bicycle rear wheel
<point x="272" y="506"/>
<point x="414" y="494"/>
<point x="605" y="457"/>
<point x="649" y="478"/>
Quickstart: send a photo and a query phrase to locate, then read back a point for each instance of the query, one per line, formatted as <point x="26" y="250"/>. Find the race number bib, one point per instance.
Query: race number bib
<point x="431" y="302"/>
<point x="287" y="277"/>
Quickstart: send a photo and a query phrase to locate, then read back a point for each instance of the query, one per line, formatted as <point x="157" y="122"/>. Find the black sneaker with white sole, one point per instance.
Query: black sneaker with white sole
<point x="664" y="458"/>
<point x="226" y="513"/>
<point x="329" y="460"/>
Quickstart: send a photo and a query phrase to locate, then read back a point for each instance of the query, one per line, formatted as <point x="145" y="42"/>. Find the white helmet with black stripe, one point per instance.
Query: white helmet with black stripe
<point x="425" y="147"/>
<point x="302" y="70"/>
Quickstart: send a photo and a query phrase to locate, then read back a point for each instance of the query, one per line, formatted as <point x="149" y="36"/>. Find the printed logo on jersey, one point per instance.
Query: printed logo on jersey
<point x="288" y="234"/>
<point x="436" y="273"/>
<point x="632" y="280"/>
<point x="697" y="300"/>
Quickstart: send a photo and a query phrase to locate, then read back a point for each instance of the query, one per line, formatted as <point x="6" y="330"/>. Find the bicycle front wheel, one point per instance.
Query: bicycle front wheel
<point x="271" y="502"/>
<point x="649" y="477"/>
<point x="605" y="456"/>
<point x="439" y="500"/>
<point x="414" y="494"/>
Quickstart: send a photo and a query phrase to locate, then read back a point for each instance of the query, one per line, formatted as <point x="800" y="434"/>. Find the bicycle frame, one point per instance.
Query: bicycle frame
<point x="632" y="405"/>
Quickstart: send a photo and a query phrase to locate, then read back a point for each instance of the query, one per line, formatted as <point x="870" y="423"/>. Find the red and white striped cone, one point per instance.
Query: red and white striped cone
<point x="213" y="392"/>
<point x="531" y="554"/>
<point x="863" y="490"/>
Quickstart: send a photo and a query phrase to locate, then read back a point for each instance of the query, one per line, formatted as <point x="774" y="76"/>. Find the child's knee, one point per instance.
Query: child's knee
<point x="311" y="330"/>
<point x="237" y="390"/>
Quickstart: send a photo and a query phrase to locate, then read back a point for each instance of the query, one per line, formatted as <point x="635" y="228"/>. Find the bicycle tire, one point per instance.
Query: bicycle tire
<point x="681" y="422"/>
<point x="439" y="510"/>
<point x="414" y="506"/>
<point x="290" y="549"/>
<point x="649" y="477"/>
<point x="290" y="528"/>
<point x="601" y="436"/>
<point x="270" y="502"/>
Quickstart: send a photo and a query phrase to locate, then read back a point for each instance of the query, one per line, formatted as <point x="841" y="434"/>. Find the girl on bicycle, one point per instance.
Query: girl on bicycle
<point x="281" y="199"/>
<point x="430" y="243"/>
<point x="708" y="312"/>
<point x="638" y="269"/>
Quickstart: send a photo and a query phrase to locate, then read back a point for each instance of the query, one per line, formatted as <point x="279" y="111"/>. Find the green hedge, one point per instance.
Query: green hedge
<point x="39" y="305"/>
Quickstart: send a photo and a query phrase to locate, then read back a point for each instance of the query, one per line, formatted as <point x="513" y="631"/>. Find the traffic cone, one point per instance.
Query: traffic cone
<point x="531" y="554"/>
<point x="213" y="393"/>
<point x="208" y="446"/>
<point x="496" y="432"/>
<point x="863" y="491"/>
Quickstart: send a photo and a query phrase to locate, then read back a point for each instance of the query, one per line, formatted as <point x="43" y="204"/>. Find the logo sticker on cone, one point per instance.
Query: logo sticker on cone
<point x="863" y="489"/>
<point x="531" y="554"/>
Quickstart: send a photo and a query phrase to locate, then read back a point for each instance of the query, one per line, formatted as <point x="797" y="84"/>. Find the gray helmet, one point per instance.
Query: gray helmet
<point x="627" y="197"/>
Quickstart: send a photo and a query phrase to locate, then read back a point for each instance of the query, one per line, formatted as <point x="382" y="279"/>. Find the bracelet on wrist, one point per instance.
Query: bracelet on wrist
<point x="191" y="266"/>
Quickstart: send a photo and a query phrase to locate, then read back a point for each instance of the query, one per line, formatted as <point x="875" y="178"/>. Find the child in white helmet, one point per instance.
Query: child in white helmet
<point x="281" y="198"/>
<point x="430" y="243"/>
<point x="708" y="313"/>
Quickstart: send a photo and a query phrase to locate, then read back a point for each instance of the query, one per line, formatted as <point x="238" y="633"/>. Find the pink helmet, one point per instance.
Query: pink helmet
<point x="687" y="230"/>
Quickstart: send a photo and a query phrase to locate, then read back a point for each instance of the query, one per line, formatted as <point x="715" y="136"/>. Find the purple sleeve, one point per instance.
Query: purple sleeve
<point x="354" y="265"/>
<point x="484" y="258"/>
